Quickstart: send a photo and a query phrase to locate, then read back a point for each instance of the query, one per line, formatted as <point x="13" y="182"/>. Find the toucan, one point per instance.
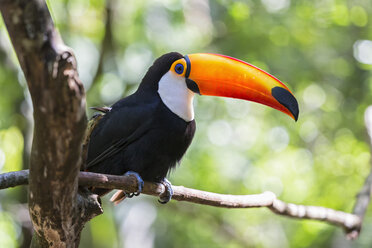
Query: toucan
<point x="147" y="133"/>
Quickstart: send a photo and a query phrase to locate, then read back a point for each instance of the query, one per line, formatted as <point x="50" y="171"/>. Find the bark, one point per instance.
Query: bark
<point x="59" y="112"/>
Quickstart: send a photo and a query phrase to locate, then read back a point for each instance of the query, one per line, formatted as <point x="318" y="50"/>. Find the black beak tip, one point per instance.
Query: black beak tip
<point x="285" y="98"/>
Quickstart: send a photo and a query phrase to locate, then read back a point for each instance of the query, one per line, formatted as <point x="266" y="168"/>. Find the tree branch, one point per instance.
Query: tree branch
<point x="13" y="179"/>
<point x="107" y="44"/>
<point x="364" y="196"/>
<point x="350" y="222"/>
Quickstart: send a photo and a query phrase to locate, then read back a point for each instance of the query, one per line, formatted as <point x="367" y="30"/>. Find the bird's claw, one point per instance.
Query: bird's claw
<point x="168" y="193"/>
<point x="140" y="184"/>
<point x="130" y="195"/>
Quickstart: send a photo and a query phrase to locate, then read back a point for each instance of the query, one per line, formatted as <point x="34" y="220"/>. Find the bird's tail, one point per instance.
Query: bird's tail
<point x="118" y="197"/>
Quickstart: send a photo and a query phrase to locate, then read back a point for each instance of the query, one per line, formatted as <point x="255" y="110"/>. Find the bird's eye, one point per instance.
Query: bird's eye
<point x="179" y="68"/>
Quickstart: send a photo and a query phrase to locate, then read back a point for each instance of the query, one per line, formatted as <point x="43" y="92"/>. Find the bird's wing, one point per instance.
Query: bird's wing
<point x="119" y="145"/>
<point x="127" y="121"/>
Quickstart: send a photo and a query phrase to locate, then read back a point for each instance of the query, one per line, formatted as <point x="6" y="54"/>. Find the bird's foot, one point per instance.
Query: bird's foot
<point x="140" y="184"/>
<point x="168" y="193"/>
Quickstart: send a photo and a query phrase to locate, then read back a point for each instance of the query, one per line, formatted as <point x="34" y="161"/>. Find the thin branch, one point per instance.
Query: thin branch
<point x="364" y="196"/>
<point x="13" y="179"/>
<point x="349" y="222"/>
<point x="107" y="44"/>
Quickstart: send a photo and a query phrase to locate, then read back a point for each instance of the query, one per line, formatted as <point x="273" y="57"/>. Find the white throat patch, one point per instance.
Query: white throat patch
<point x="176" y="96"/>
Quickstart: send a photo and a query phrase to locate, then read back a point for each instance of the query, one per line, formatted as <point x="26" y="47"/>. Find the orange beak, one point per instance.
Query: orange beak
<point x="219" y="75"/>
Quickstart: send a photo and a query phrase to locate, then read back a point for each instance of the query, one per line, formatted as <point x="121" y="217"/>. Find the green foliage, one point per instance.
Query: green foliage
<point x="8" y="232"/>
<point x="321" y="49"/>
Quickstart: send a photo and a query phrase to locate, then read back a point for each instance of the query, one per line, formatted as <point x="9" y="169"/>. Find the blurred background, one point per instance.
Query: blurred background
<point x="321" y="49"/>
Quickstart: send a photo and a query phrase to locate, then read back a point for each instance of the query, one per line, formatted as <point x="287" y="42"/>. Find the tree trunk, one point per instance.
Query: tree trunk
<point x="58" y="98"/>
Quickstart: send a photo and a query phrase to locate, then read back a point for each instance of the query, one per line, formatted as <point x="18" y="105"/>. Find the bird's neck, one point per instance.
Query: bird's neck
<point x="176" y="96"/>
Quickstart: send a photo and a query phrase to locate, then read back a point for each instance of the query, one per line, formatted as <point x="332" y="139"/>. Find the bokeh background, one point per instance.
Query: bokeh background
<point x="322" y="49"/>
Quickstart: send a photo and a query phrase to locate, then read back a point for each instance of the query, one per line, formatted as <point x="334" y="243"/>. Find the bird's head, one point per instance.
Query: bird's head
<point x="217" y="75"/>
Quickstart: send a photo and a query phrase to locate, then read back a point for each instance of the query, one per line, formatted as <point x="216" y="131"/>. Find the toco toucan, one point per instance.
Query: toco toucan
<point x="148" y="132"/>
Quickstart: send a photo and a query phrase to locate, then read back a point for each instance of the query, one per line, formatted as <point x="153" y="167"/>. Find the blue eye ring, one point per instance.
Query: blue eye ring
<point x="179" y="68"/>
